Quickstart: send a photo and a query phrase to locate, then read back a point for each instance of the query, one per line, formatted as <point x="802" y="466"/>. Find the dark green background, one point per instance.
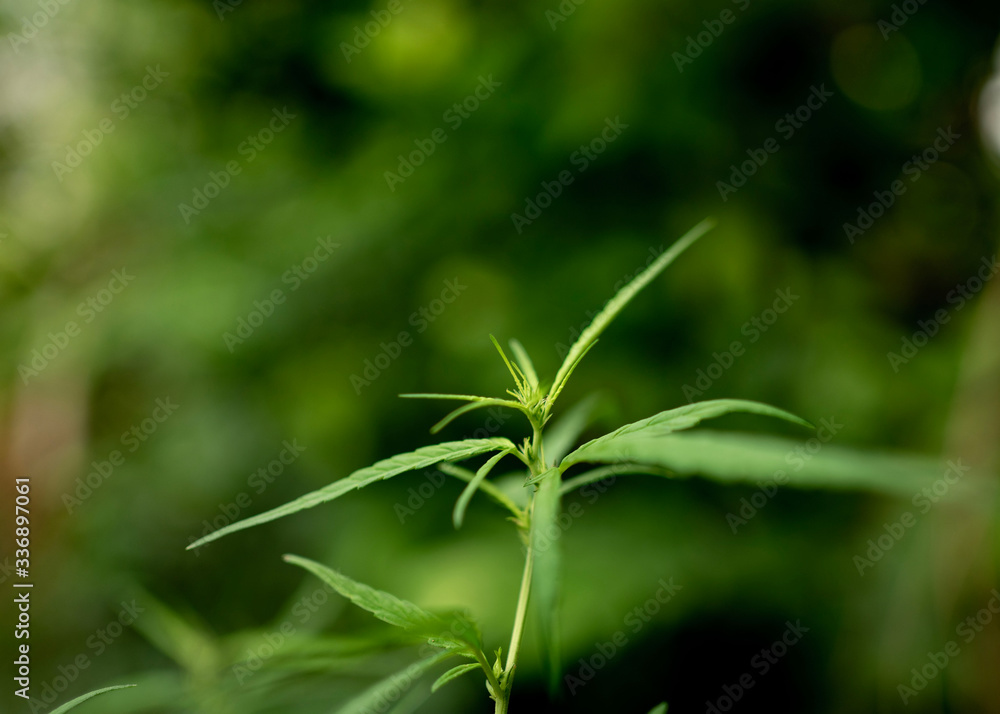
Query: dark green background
<point x="324" y="176"/>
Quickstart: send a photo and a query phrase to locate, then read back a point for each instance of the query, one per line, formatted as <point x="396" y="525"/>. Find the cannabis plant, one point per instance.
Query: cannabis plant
<point x="661" y="445"/>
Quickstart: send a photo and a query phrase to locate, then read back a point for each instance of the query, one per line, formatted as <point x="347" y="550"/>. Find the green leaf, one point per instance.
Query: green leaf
<point x="458" y="515"/>
<point x="454" y="673"/>
<point x="559" y="439"/>
<point x="544" y="541"/>
<point x="619" y="301"/>
<point x="179" y="637"/>
<point x="683" y="418"/>
<point x="382" y="605"/>
<point x="524" y="361"/>
<point x="556" y="391"/>
<point x="486" y="487"/>
<point x="662" y="709"/>
<point x="80" y="700"/>
<point x="733" y="457"/>
<point x="373" y="699"/>
<point x="519" y="379"/>
<point x="603" y="472"/>
<point x="458" y="397"/>
<point x="475" y="405"/>
<point x="444" y="631"/>
<point x="387" y="468"/>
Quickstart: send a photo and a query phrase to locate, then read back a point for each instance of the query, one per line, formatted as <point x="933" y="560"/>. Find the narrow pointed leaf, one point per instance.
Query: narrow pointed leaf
<point x="470" y="407"/>
<point x="661" y="709"/>
<point x="463" y="500"/>
<point x="179" y="637"/>
<point x="614" y="471"/>
<point x="448" y="630"/>
<point x="513" y="369"/>
<point x="557" y="390"/>
<point x="486" y="487"/>
<point x="524" y="361"/>
<point x="80" y="700"/>
<point x="387" y="468"/>
<point x="561" y="436"/>
<point x="621" y="299"/>
<point x="454" y="673"/>
<point x="383" y="605"/>
<point x="734" y="457"/>
<point x="683" y="418"/>
<point x="545" y="550"/>
<point x="374" y="698"/>
<point x="459" y="397"/>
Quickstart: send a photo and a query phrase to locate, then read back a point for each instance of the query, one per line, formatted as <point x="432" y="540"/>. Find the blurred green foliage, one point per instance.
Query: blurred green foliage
<point x="65" y="229"/>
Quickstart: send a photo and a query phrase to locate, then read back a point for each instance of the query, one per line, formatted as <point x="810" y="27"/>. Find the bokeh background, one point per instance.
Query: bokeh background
<point x="255" y="118"/>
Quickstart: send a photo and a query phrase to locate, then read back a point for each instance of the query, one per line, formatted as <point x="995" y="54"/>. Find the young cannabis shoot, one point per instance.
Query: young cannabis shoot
<point x="660" y="445"/>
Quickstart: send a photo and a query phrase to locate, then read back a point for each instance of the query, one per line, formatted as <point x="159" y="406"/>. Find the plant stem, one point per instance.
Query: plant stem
<point x="488" y="670"/>
<point x="515" y="638"/>
<point x="503" y="696"/>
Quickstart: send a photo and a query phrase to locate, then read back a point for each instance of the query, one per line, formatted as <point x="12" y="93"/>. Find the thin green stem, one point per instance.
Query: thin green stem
<point x="537" y="466"/>
<point x="515" y="637"/>
<point x="494" y="683"/>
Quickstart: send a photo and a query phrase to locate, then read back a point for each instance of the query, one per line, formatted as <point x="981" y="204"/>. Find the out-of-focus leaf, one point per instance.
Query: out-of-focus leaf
<point x="374" y="698"/>
<point x="734" y="457"/>
<point x="454" y="673"/>
<point x="89" y="695"/>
